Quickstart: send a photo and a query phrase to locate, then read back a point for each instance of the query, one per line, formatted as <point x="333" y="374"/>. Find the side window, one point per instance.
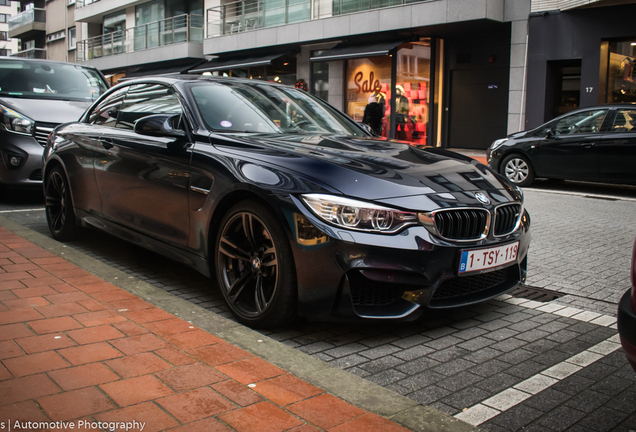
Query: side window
<point x="625" y="121"/>
<point x="582" y="122"/>
<point x="105" y="114"/>
<point x="147" y="99"/>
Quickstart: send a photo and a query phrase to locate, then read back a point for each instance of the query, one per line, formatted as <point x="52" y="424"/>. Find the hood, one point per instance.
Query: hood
<point x="47" y="110"/>
<point x="368" y="168"/>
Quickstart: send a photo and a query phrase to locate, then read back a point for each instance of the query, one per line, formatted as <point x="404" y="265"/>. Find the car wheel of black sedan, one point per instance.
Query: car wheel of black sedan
<point x="254" y="266"/>
<point x="517" y="169"/>
<point x="59" y="207"/>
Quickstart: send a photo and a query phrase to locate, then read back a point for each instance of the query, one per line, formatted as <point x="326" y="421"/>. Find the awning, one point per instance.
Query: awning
<point x="166" y="69"/>
<point x="235" y="63"/>
<point x="345" y="51"/>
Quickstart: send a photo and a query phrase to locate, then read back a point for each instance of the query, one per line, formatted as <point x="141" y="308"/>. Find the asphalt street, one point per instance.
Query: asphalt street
<point x="516" y="362"/>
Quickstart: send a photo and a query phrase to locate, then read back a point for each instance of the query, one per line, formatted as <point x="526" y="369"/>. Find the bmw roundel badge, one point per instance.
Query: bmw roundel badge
<point x="482" y="198"/>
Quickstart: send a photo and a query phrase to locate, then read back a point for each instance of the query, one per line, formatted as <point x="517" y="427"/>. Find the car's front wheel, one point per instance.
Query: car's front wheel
<point x="59" y="207"/>
<point x="518" y="170"/>
<point x="254" y="266"/>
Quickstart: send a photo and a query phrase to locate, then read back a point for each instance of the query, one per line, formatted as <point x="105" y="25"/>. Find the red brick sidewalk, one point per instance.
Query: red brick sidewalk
<point x="77" y="349"/>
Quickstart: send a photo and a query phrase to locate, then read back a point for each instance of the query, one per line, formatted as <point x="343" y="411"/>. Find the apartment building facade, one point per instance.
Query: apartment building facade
<point x="8" y="46"/>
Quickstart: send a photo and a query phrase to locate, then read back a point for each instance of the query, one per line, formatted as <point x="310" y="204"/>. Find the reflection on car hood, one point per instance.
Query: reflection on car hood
<point x="369" y="168"/>
<point x="47" y="110"/>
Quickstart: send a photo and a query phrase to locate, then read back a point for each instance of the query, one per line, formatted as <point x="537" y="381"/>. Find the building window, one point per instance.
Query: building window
<point x="72" y="39"/>
<point x="4" y="35"/>
<point x="4" y="18"/>
<point x="56" y="36"/>
<point x="621" y="84"/>
<point x="5" y="52"/>
<point x="28" y="45"/>
<point x="5" y="2"/>
<point x="70" y="2"/>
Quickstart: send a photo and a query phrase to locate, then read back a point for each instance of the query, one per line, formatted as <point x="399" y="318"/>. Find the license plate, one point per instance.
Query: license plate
<point x="482" y="259"/>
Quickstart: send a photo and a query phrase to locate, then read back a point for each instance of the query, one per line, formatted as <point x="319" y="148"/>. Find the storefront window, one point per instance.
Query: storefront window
<point x="320" y="79"/>
<point x="412" y="92"/>
<point x="368" y="82"/>
<point x="622" y="61"/>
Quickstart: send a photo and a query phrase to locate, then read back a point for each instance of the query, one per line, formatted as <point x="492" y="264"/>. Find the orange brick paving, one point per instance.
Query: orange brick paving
<point x="74" y="348"/>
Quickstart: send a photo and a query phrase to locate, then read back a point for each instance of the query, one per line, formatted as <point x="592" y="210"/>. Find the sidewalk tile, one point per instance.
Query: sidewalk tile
<point x="92" y="305"/>
<point x="9" y="349"/>
<point x="305" y="428"/>
<point x="11" y="285"/>
<point x="77" y="377"/>
<point x="251" y="370"/>
<point x="29" y="387"/>
<point x="14" y="331"/>
<point x="130" y="328"/>
<point x="135" y="390"/>
<point x="22" y="411"/>
<point x="83" y="280"/>
<point x="34" y="292"/>
<point x="91" y="319"/>
<point x="53" y="325"/>
<point x="137" y="344"/>
<point x="262" y="417"/>
<point x="48" y="342"/>
<point x="90" y="353"/>
<point x="4" y="374"/>
<point x="35" y="363"/>
<point x="218" y="354"/>
<point x="64" y="288"/>
<point x="110" y="296"/>
<point x="95" y="334"/>
<point x="153" y="417"/>
<point x="58" y="310"/>
<point x="69" y="297"/>
<point x="325" y="411"/>
<point x="25" y="303"/>
<point x="18" y="316"/>
<point x="76" y="403"/>
<point x="192" y="339"/>
<point x="130" y="305"/>
<point x="369" y="423"/>
<point x="40" y="281"/>
<point x="19" y="276"/>
<point x="189" y="377"/>
<point x="286" y="389"/>
<point x="206" y="425"/>
<point x="175" y="356"/>
<point x="237" y="393"/>
<point x="49" y="260"/>
<point x="140" y="364"/>
<point x="12" y="268"/>
<point x="7" y="295"/>
<point x="170" y="327"/>
<point x="96" y="287"/>
<point x="148" y="315"/>
<point x="196" y="404"/>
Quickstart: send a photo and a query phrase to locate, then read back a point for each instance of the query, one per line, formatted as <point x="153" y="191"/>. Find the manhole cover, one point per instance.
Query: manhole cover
<point x="534" y="293"/>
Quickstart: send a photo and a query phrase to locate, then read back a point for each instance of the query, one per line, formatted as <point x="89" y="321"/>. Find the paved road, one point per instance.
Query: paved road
<point x="504" y="365"/>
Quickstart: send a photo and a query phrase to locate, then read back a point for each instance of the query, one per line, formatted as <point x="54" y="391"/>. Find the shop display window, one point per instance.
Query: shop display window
<point x="621" y="85"/>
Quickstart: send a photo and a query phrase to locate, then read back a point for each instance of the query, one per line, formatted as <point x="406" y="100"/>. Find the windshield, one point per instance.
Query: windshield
<point x="247" y="107"/>
<point x="46" y="80"/>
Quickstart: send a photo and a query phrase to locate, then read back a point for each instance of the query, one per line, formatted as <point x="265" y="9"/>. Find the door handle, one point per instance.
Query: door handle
<point x="588" y="145"/>
<point x="107" y="144"/>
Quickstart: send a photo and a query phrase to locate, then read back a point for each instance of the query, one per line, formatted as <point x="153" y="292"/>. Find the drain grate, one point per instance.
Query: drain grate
<point x="534" y="293"/>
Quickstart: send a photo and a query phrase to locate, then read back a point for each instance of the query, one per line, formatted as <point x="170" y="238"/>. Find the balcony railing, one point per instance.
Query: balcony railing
<point x="27" y="17"/>
<point x="182" y="28"/>
<point x="82" y="3"/>
<point x="38" y="53"/>
<point x="244" y="15"/>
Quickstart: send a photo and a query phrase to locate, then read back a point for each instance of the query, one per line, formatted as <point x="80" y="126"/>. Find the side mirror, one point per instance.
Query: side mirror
<point x="159" y="125"/>
<point x="550" y="133"/>
<point x="367" y="128"/>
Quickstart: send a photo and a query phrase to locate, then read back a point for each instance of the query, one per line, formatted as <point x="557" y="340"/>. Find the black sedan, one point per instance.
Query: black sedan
<point x="596" y="144"/>
<point x="627" y="316"/>
<point x="292" y="206"/>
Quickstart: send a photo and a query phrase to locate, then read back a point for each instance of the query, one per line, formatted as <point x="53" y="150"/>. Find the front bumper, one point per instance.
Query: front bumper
<point x="29" y="172"/>
<point x="627" y="327"/>
<point x="348" y="274"/>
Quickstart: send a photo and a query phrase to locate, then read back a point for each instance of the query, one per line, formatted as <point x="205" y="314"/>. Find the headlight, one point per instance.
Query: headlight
<point x="358" y="215"/>
<point x="15" y="122"/>
<point x="498" y="144"/>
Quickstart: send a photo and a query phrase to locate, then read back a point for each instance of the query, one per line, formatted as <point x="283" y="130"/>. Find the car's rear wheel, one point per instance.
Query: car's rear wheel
<point x="255" y="267"/>
<point x="59" y="206"/>
<point x="518" y="170"/>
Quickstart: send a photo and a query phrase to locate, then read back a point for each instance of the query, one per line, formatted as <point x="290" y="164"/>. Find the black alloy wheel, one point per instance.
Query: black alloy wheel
<point x="255" y="267"/>
<point x="59" y="207"/>
<point x="518" y="170"/>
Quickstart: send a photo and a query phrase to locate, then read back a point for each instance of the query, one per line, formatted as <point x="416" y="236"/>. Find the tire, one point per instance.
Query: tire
<point x="254" y="266"/>
<point x="60" y="216"/>
<point x="517" y="169"/>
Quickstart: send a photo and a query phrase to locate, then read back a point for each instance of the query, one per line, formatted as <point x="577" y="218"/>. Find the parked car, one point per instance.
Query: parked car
<point x="35" y="97"/>
<point x="627" y="316"/>
<point x="596" y="144"/>
<point x="293" y="206"/>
